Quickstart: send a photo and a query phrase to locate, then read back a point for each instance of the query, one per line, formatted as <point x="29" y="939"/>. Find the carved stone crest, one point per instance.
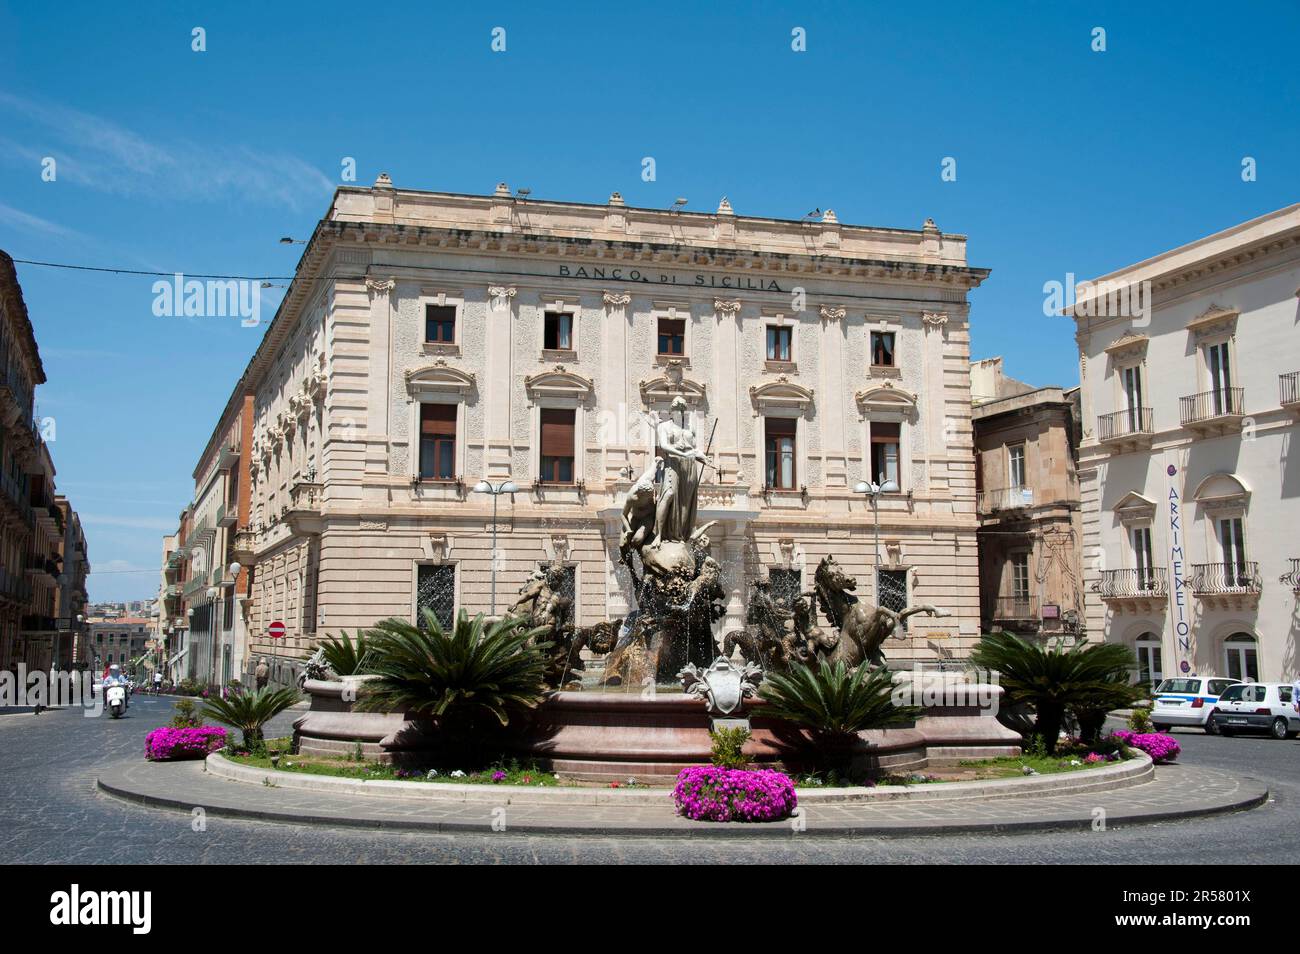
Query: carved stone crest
<point x="723" y="686"/>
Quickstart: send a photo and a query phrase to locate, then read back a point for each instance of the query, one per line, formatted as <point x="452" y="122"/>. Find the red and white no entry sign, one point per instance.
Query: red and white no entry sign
<point x="276" y="630"/>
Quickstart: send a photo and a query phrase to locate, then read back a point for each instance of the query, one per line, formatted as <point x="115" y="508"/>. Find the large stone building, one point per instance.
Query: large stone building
<point x="1027" y="496"/>
<point x="42" y="585"/>
<point x="1190" y="481"/>
<point x="429" y="341"/>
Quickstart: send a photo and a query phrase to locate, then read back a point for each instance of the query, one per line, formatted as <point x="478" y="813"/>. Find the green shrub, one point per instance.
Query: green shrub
<point x="345" y="655"/>
<point x="185" y="716"/>
<point x="1088" y="680"/>
<point x="474" y="672"/>
<point x="1139" y="720"/>
<point x="834" y="701"/>
<point x="250" y="711"/>
<point x="728" y="745"/>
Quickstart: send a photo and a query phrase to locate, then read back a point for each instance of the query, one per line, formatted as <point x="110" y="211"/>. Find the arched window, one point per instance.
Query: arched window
<point x="1241" y="657"/>
<point x="1150" y="665"/>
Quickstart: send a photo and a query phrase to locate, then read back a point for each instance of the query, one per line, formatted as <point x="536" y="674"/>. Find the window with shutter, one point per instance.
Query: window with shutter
<point x="438" y="441"/>
<point x="780" y="433"/>
<point x="884" y="451"/>
<point x="557" y="445"/>
<point x="440" y="324"/>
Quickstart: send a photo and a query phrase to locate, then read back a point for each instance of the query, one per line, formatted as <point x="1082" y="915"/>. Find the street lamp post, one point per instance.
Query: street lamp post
<point x="506" y="487"/>
<point x="873" y="490"/>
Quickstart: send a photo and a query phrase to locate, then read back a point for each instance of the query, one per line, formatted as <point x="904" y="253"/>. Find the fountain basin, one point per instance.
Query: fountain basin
<point x="603" y="737"/>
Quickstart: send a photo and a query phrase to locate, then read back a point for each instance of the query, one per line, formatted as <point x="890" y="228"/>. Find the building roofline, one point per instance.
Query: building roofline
<point x="9" y="280"/>
<point x="1192" y="255"/>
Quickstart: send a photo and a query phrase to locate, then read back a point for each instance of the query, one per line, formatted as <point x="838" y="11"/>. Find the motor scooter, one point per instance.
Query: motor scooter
<point x="115" y="697"/>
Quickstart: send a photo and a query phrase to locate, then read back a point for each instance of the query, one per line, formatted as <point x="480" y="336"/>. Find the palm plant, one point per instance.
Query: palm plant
<point x="1053" y="679"/>
<point x="834" y="701"/>
<point x="249" y="712"/>
<point x="455" y="677"/>
<point x="345" y="655"/>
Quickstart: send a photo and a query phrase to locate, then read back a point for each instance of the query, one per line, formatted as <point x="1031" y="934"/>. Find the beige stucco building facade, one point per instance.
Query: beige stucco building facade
<point x="432" y="340"/>
<point x="1190" y="480"/>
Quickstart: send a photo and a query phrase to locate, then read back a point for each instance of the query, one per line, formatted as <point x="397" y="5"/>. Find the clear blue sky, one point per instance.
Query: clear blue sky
<point x="1068" y="160"/>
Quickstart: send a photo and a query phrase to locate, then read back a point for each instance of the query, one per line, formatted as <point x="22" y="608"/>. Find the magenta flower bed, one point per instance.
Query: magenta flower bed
<point x="709" y="793"/>
<point x="1161" y="747"/>
<point x="167" y="744"/>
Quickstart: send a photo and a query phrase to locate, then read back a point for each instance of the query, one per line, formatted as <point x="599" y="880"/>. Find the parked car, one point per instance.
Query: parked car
<point x="1256" y="707"/>
<point x="1186" y="701"/>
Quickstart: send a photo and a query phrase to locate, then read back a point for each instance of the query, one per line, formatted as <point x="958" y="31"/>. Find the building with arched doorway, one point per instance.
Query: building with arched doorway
<point x="1189" y="479"/>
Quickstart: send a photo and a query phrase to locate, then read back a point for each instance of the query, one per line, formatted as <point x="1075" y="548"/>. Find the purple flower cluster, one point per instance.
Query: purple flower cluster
<point x="1161" y="747"/>
<point x="710" y="793"/>
<point x="168" y="744"/>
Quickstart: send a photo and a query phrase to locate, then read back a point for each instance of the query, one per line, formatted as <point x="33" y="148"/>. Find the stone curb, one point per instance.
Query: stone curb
<point x="1135" y="771"/>
<point x="116" y="782"/>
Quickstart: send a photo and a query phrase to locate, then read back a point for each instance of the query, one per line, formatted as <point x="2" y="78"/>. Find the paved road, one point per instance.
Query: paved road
<point x="50" y="812"/>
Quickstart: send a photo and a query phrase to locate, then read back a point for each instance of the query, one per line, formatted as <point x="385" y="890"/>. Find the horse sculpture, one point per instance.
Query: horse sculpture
<point x="863" y="628"/>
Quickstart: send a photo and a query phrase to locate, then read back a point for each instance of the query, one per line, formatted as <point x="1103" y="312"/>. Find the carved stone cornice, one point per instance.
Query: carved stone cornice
<point x="934" y="318"/>
<point x="381" y="286"/>
<point x="616" y="299"/>
<point x="833" y="312"/>
<point x="727" y="306"/>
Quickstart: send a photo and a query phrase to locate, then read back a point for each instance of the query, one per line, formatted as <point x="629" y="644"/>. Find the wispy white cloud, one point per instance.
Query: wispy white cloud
<point x="26" y="222"/>
<point x="103" y="155"/>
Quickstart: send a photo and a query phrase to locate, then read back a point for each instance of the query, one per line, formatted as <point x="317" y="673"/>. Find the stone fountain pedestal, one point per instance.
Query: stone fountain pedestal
<point x="603" y="737"/>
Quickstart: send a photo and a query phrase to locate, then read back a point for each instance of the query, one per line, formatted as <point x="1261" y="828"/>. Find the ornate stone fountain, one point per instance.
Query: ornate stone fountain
<point x="636" y="723"/>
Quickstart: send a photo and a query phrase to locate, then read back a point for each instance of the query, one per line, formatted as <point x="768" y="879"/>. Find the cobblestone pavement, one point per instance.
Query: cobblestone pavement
<point x="50" y="812"/>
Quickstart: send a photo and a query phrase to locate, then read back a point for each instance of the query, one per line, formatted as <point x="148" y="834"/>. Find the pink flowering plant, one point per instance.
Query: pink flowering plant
<point x="1162" y="748"/>
<point x="711" y="793"/>
<point x="168" y="744"/>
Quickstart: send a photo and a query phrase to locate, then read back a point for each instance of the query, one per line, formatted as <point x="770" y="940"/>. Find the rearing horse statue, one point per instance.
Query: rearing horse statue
<point x="863" y="627"/>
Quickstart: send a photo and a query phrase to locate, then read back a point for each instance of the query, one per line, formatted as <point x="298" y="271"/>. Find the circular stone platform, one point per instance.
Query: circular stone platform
<point x="1045" y="802"/>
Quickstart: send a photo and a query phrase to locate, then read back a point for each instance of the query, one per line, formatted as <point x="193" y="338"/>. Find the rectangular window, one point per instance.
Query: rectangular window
<point x="435" y="590"/>
<point x="437" y="441"/>
<point x="672" y="336"/>
<point x="1016" y="465"/>
<point x="785" y="585"/>
<point x="1142" y="557"/>
<point x="882" y="349"/>
<point x="891" y="590"/>
<point x="440" y="324"/>
<point x="1020" y="577"/>
<point x="1216" y="361"/>
<point x="1133" y="396"/>
<point x="884" y="451"/>
<point x="558" y="332"/>
<point x="780" y="437"/>
<point x="779" y="340"/>
<point x="557" y="445"/>
<point x="1232" y="539"/>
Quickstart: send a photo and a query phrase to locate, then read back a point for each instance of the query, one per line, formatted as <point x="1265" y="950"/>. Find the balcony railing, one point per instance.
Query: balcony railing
<point x="1291" y="578"/>
<point x="1005" y="498"/>
<point x="1216" y="579"/>
<point x="1211" y="405"/>
<point x="1015" y="608"/>
<point x="1125" y="425"/>
<point x="1145" y="583"/>
<point x="1288" y="389"/>
<point x="305" y="496"/>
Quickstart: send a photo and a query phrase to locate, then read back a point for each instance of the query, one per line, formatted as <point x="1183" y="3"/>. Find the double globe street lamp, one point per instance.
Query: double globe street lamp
<point x="505" y="487"/>
<point x="873" y="490"/>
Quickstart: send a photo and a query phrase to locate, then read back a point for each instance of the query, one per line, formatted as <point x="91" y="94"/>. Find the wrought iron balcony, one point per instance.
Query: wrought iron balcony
<point x="1292" y="577"/>
<point x="1148" y="583"/>
<point x="1005" y="498"/>
<point x="1223" y="407"/>
<point x="1131" y="427"/>
<point x="1226" y="582"/>
<point x="1288" y="390"/>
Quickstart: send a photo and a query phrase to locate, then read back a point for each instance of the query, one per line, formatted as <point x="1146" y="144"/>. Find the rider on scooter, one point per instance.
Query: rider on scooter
<point x="115" y="678"/>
